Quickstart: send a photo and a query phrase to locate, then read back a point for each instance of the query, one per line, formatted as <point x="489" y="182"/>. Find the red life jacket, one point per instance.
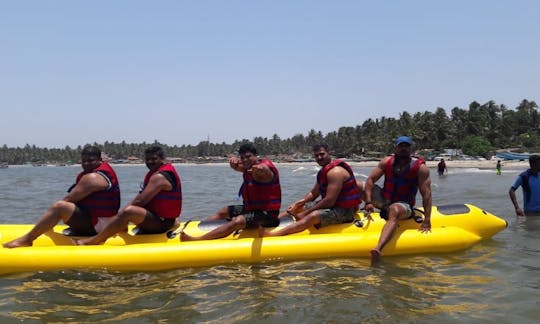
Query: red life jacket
<point x="403" y="186"/>
<point x="166" y="204"/>
<point x="349" y="197"/>
<point x="264" y="196"/>
<point x="103" y="203"/>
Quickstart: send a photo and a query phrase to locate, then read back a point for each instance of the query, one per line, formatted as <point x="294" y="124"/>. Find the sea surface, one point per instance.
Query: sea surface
<point x="497" y="280"/>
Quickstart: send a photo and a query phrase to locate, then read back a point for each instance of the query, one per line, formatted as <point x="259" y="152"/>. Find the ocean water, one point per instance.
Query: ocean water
<point x="495" y="281"/>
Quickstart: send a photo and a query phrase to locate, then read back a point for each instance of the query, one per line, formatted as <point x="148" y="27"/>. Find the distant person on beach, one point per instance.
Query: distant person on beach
<point x="529" y="180"/>
<point x="340" y="194"/>
<point x="498" y="167"/>
<point x="261" y="195"/>
<point x="89" y="205"/>
<point x="441" y="167"/>
<point x="157" y="206"/>
<point x="404" y="175"/>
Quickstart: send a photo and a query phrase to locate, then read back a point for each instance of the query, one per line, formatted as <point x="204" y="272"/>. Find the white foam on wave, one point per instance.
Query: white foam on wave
<point x="306" y="170"/>
<point x="469" y="170"/>
<point x="360" y="175"/>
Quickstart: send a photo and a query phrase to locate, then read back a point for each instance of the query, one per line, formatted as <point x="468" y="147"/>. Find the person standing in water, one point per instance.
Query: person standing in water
<point x="529" y="180"/>
<point x="441" y="167"/>
<point x="498" y="167"/>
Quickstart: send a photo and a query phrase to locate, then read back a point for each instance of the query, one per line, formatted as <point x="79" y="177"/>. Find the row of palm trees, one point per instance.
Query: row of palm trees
<point x="478" y="130"/>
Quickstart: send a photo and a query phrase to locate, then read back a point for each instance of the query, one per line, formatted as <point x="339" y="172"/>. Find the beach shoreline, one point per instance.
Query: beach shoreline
<point x="487" y="164"/>
<point x="484" y="164"/>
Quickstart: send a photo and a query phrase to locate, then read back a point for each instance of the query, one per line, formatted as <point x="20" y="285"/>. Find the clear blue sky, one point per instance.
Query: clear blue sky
<point x="77" y="72"/>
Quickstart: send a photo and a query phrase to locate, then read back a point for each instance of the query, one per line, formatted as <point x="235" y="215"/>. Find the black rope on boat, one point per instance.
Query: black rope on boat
<point x="173" y="234"/>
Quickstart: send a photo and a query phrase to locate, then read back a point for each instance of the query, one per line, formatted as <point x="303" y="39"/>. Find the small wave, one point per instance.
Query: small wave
<point x="361" y="175"/>
<point x="470" y="170"/>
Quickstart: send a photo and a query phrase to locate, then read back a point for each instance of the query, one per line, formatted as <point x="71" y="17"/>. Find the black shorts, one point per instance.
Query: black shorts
<point x="80" y="223"/>
<point x="255" y="218"/>
<point x="154" y="224"/>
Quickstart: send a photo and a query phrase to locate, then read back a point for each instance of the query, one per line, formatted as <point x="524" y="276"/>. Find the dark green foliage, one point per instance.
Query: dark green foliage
<point x="476" y="146"/>
<point x="479" y="130"/>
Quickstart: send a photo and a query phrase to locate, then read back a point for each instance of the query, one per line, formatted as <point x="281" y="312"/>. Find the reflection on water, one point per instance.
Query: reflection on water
<point x="411" y="288"/>
<point x="493" y="281"/>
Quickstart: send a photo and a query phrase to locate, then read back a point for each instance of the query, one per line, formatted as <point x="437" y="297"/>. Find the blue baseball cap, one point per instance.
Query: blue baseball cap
<point x="404" y="139"/>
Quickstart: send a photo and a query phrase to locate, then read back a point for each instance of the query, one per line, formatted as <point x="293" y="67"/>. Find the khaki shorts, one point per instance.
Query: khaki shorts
<point x="336" y="215"/>
<point x="406" y="206"/>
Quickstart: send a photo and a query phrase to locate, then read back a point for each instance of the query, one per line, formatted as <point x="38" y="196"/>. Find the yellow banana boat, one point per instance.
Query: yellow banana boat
<point x="454" y="228"/>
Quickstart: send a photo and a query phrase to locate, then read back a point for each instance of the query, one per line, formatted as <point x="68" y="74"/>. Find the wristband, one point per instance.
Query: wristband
<point x="368" y="203"/>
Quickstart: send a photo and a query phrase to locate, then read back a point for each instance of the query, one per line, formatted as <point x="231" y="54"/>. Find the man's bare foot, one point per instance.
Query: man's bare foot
<point x="263" y="232"/>
<point x="20" y="242"/>
<point x="375" y="256"/>
<point x="185" y="237"/>
<point x="76" y="241"/>
<point x="86" y="241"/>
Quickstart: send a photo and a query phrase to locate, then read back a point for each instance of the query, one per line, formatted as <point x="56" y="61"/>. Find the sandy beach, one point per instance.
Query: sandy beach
<point x="486" y="164"/>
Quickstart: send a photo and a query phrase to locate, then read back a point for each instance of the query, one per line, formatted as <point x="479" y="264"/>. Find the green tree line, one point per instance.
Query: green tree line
<point x="478" y="130"/>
